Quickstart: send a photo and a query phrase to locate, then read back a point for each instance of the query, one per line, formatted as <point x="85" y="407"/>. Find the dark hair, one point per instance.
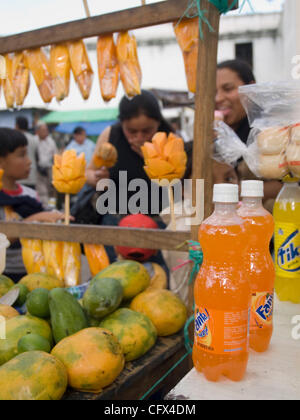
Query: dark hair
<point x="79" y="130"/>
<point x="242" y="68"/>
<point x="10" y="140"/>
<point x="22" y="123"/>
<point x="143" y="104"/>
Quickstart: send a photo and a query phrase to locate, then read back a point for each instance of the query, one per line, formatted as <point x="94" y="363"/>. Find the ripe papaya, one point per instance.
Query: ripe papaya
<point x="93" y="358"/>
<point x="33" y="376"/>
<point x="66" y="314"/>
<point x="41" y="280"/>
<point x="16" y="328"/>
<point x="102" y="297"/>
<point x="132" y="275"/>
<point x="135" y="332"/>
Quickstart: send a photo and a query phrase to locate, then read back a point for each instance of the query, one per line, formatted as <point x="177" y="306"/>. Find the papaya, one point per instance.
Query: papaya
<point x="5" y="284"/>
<point x="8" y="312"/>
<point x="41" y="280"/>
<point x="34" y="376"/>
<point x="133" y="276"/>
<point x="66" y="314"/>
<point x="158" y="276"/>
<point x="103" y="296"/>
<point x="16" y="328"/>
<point x="167" y="312"/>
<point x="134" y="330"/>
<point x="93" y="358"/>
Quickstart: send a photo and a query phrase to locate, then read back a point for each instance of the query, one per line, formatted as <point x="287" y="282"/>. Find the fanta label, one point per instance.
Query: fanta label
<point x="261" y="310"/>
<point x="222" y="332"/>
<point x="287" y="249"/>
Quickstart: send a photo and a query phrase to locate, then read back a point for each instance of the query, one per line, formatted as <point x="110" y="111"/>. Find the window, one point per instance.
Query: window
<point x="245" y="52"/>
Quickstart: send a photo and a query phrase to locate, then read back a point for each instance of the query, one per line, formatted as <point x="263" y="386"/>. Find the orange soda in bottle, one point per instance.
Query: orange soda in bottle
<point x="261" y="269"/>
<point x="222" y="292"/>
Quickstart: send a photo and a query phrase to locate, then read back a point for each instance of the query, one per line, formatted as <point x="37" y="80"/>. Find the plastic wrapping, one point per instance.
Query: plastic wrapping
<point x="187" y="34"/>
<point x="108" y="67"/>
<point x="130" y="70"/>
<point x="81" y="67"/>
<point x="105" y="155"/>
<point x="97" y="258"/>
<point x="38" y="63"/>
<point x="7" y="83"/>
<point x="20" y="78"/>
<point x="71" y="263"/>
<point x="53" y="255"/>
<point x="273" y="111"/>
<point x="60" y="68"/>
<point x="33" y="257"/>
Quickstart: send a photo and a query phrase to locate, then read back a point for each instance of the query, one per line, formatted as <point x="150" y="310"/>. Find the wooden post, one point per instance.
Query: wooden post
<point x="203" y="123"/>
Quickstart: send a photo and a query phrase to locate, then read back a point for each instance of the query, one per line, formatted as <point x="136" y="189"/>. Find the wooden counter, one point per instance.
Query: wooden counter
<point x="274" y="375"/>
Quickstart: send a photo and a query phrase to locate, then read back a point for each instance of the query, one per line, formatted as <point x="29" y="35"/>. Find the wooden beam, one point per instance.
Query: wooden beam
<point x="138" y="17"/>
<point x="90" y="234"/>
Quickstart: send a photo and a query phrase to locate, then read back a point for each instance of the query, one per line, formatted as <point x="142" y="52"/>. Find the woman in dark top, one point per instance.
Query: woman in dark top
<point x="139" y="119"/>
<point x="230" y="75"/>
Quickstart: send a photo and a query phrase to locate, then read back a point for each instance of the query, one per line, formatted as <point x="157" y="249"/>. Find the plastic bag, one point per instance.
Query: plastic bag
<point x="60" y="68"/>
<point x="97" y="258"/>
<point x="38" y="63"/>
<point x="187" y="34"/>
<point x="273" y="111"/>
<point x="130" y="70"/>
<point x="33" y="257"/>
<point x="108" y="67"/>
<point x="20" y="78"/>
<point x="7" y="83"/>
<point x="81" y="67"/>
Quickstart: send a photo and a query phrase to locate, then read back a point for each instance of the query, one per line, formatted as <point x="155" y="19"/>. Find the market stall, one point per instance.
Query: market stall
<point x="170" y="350"/>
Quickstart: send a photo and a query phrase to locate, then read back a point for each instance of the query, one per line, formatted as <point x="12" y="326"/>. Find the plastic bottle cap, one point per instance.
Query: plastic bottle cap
<point x="252" y="189"/>
<point x="226" y="193"/>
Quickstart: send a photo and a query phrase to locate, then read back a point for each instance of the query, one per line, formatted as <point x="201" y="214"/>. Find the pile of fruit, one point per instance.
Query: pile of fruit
<point x="84" y="344"/>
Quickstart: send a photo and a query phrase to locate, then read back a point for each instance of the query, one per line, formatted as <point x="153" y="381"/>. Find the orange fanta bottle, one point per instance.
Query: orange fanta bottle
<point x="261" y="270"/>
<point x="222" y="292"/>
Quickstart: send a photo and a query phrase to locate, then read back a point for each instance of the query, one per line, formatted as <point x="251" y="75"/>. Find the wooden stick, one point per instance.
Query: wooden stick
<point x="171" y="199"/>
<point x="67" y="209"/>
<point x="86" y="8"/>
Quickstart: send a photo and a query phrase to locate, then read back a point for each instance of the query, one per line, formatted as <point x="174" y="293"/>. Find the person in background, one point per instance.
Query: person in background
<point x="81" y="144"/>
<point x="21" y="124"/>
<point x="231" y="75"/>
<point x="18" y="202"/>
<point x="45" y="155"/>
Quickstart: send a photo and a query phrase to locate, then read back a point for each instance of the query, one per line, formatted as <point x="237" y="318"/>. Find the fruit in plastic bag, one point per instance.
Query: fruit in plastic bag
<point x="81" y="67"/>
<point x="71" y="263"/>
<point x="53" y="254"/>
<point x="38" y="64"/>
<point x="20" y="78"/>
<point x="60" y="68"/>
<point x="187" y="34"/>
<point x="7" y="83"/>
<point x="130" y="70"/>
<point x="108" y="67"/>
<point x="97" y="258"/>
<point x="33" y="257"/>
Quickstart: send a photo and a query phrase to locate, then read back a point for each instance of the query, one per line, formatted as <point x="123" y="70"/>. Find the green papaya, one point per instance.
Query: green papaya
<point x="102" y="297"/>
<point x="66" y="314"/>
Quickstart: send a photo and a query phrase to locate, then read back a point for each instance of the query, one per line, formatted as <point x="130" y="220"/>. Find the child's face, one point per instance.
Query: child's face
<point x="17" y="164"/>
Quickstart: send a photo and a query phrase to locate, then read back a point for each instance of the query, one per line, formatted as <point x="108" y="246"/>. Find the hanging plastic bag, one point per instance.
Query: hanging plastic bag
<point x="38" y="63"/>
<point x="97" y="258"/>
<point x="130" y="70"/>
<point x="20" y="78"/>
<point x="33" y="257"/>
<point x="108" y="67"/>
<point x="60" y="68"/>
<point x="187" y="34"/>
<point x="81" y="67"/>
<point x="7" y="83"/>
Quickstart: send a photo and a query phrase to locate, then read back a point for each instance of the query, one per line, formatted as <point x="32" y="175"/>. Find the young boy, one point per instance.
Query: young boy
<point x="18" y="202"/>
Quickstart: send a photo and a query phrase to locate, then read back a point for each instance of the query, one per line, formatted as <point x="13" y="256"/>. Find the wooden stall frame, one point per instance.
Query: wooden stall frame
<point x="142" y="16"/>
